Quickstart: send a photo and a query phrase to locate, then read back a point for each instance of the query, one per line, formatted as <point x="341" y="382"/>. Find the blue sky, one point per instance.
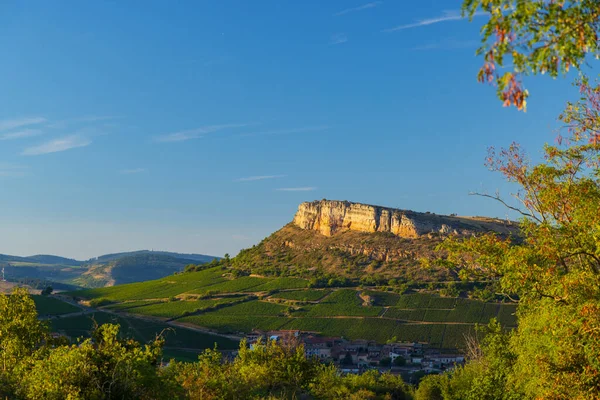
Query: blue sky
<point x="200" y="126"/>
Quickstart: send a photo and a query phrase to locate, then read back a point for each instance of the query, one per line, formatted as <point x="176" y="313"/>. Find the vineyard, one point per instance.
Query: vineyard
<point x="226" y="305"/>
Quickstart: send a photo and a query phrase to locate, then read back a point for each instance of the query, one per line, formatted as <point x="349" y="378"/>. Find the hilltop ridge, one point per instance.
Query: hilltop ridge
<point x="361" y="241"/>
<point x="330" y="217"/>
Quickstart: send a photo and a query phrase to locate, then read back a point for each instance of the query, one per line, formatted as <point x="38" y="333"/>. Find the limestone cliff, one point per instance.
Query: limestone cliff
<point x="330" y="217"/>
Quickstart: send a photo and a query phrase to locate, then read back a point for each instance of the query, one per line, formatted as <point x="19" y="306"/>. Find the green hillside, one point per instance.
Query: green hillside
<point x="131" y="268"/>
<point x="214" y="299"/>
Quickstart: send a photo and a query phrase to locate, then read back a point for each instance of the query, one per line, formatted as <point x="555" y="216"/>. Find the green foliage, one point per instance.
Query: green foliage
<point x="21" y="334"/>
<point x="399" y="361"/>
<point x="100" y="302"/>
<point x="272" y="371"/>
<point x="534" y="37"/>
<point x="553" y="269"/>
<point x="47" y="291"/>
<point x="106" y="367"/>
<point x="385" y="362"/>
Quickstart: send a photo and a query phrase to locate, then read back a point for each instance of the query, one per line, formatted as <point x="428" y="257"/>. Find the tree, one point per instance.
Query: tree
<point x="21" y="334"/>
<point x="47" y="291"/>
<point x="385" y="362"/>
<point x="347" y="360"/>
<point x="399" y="361"/>
<point x="106" y="367"/>
<point x="553" y="268"/>
<point x="533" y="37"/>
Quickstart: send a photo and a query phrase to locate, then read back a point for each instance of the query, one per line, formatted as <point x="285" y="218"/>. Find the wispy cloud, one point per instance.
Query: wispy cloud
<point x="25" y="133"/>
<point x="297" y="189"/>
<point x="446" y="16"/>
<point x="8" y="124"/>
<point x="338" y="38"/>
<point x="182" y="136"/>
<point x="286" y="131"/>
<point x="132" y="171"/>
<point x="359" y="8"/>
<point x="448" y="44"/>
<point x="57" y="145"/>
<point x="12" y="171"/>
<point x="259" y="178"/>
<point x="61" y="124"/>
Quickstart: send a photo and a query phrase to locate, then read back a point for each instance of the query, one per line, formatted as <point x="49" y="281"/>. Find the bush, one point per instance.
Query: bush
<point x="100" y="302"/>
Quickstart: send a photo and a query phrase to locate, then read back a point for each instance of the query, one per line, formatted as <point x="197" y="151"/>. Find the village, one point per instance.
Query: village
<point x="411" y="360"/>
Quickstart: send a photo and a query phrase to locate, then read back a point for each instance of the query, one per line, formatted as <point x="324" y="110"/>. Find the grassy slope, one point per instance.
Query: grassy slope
<point x="340" y="312"/>
<point x="141" y="330"/>
<point x="50" y="306"/>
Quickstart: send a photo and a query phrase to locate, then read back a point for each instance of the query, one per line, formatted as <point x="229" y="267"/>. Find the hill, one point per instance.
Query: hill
<point x="63" y="273"/>
<point x="353" y="240"/>
<point x="138" y="267"/>
<point x="40" y="259"/>
<point x="115" y="256"/>
<point x="213" y="299"/>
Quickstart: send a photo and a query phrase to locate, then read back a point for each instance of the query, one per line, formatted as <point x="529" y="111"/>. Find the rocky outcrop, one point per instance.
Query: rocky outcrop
<point x="330" y="217"/>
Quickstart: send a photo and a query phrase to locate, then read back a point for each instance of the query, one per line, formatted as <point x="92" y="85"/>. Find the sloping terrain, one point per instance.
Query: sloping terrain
<point x="213" y="299"/>
<point x="353" y="240"/>
<point x="298" y="252"/>
<point x="131" y="268"/>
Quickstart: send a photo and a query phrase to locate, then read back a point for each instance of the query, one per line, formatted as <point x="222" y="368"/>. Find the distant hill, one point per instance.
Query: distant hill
<point x="40" y="259"/>
<point x="54" y="260"/>
<point x="141" y="266"/>
<point x="111" y="257"/>
<point x="110" y="269"/>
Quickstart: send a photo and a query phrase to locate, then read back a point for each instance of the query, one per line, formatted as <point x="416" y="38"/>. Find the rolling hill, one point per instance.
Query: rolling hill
<point x="66" y="274"/>
<point x="142" y="266"/>
<point x="215" y="300"/>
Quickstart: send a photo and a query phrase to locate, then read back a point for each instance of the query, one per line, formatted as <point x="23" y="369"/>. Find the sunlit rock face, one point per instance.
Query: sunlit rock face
<point x="330" y="217"/>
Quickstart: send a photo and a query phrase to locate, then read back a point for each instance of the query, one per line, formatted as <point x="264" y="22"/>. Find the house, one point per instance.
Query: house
<point x="448" y="359"/>
<point x="362" y="358"/>
<point x="318" y="347"/>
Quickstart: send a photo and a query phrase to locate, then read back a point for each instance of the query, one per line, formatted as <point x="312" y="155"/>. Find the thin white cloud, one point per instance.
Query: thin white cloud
<point x="297" y="189"/>
<point x="25" y="133"/>
<point x="195" y="133"/>
<point x="338" y="38"/>
<point x="8" y="124"/>
<point x="12" y="171"/>
<point x="132" y="171"/>
<point x="447" y="16"/>
<point x="259" y="178"/>
<point x="286" y="131"/>
<point x="359" y="8"/>
<point x="80" y="120"/>
<point x="57" y="145"/>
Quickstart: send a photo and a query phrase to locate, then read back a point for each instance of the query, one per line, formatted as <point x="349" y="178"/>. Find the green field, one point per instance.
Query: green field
<point x="343" y="302"/>
<point x="173" y="309"/>
<point x="47" y="306"/>
<point x="341" y="312"/>
<point x="195" y="283"/>
<point x="141" y="330"/>
<point x="303" y="295"/>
